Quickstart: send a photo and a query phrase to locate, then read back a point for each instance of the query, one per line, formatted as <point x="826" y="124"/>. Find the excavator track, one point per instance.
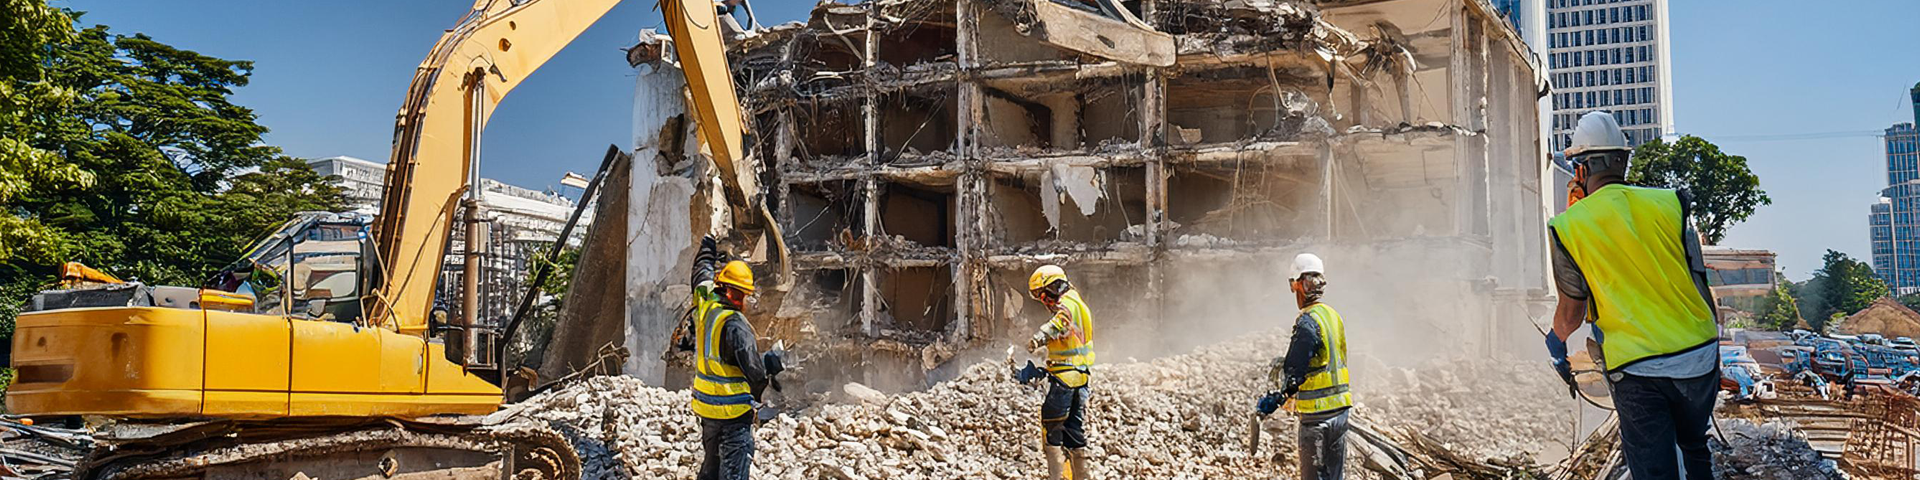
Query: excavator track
<point x="337" y="449"/>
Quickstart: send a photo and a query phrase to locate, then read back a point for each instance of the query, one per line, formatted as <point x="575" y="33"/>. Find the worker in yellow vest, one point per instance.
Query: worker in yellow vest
<point x="730" y="374"/>
<point x="1068" y="340"/>
<point x="1626" y="259"/>
<point x="1313" y="375"/>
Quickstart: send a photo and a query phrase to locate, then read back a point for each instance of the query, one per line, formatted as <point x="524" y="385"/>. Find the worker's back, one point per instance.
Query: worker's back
<point x="1628" y="241"/>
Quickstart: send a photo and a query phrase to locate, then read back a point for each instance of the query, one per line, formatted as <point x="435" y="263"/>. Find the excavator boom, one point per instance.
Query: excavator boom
<point x="493" y="48"/>
<point x="454" y="91"/>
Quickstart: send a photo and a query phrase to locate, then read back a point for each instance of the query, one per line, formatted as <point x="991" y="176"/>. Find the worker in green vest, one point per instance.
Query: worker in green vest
<point x="1313" y="374"/>
<point x="1626" y="259"/>
<point x="730" y="374"/>
<point x="1067" y="338"/>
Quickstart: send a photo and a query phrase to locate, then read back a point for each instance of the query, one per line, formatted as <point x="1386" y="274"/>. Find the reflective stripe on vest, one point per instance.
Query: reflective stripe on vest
<point x="720" y="391"/>
<point x="1070" y="357"/>
<point x="1627" y="242"/>
<point x="1326" y="386"/>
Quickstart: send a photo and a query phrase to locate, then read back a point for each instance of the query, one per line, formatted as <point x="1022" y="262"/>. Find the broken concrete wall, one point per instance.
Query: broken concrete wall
<point x="598" y="288"/>
<point x="659" y="233"/>
<point x="928" y="154"/>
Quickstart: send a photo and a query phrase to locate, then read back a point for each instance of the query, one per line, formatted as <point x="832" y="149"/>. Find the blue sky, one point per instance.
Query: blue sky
<point x="329" y="76"/>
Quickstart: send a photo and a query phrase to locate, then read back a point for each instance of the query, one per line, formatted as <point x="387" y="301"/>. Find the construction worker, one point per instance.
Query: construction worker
<point x="1626" y="259"/>
<point x="1068" y="340"/>
<point x="1313" y="375"/>
<point x="730" y="374"/>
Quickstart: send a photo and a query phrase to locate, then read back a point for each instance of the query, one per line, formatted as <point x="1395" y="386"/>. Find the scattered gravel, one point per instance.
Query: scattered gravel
<point x="1185" y="416"/>
<point x="1771" y="451"/>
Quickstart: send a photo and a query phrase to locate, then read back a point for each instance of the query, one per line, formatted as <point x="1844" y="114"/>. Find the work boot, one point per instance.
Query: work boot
<point x="1056" y="466"/>
<point x="1077" y="458"/>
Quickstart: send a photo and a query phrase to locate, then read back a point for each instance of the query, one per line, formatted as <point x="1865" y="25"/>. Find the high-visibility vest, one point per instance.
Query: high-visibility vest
<point x="1627" y="242"/>
<point x="1326" y="386"/>
<point x="1070" y="357"/>
<point x="720" y="391"/>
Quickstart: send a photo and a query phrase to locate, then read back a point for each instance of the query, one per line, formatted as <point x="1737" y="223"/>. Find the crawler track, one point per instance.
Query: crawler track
<point x="332" y="449"/>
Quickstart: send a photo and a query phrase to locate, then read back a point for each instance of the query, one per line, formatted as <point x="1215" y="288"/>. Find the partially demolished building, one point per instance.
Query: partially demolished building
<point x="922" y="156"/>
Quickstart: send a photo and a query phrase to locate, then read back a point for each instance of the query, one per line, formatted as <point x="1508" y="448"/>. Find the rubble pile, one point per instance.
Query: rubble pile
<point x="1770" y="451"/>
<point x="1187" y="416"/>
<point x="30" y="451"/>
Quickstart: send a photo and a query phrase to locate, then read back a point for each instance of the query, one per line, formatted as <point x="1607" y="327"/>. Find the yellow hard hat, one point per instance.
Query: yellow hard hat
<point x="736" y="274"/>
<point x="1044" y="276"/>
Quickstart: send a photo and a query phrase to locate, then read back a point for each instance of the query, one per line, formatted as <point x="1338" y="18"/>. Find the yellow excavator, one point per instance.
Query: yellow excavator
<point x="317" y="354"/>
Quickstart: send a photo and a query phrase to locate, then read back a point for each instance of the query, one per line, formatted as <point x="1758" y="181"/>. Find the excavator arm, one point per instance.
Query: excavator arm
<point x="435" y="160"/>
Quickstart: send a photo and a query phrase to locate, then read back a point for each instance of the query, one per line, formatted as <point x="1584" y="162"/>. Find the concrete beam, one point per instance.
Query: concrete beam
<point x="1095" y="34"/>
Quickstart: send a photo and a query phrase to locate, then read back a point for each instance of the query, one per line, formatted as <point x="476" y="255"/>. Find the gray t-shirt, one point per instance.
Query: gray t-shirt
<point x="1572" y="283"/>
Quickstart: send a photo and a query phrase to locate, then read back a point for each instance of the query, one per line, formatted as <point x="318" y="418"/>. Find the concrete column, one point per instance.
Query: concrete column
<point x="660" y="235"/>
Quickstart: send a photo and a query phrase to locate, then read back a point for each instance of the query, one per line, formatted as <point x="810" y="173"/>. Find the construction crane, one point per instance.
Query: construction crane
<point x="317" y="353"/>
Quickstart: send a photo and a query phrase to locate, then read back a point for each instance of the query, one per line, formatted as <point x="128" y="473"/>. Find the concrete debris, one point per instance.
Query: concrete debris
<point x="29" y="451"/>
<point x="1177" y="417"/>
<point x="1770" y="451"/>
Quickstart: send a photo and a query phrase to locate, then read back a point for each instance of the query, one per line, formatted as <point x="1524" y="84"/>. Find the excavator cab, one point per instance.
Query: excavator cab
<point x="312" y="268"/>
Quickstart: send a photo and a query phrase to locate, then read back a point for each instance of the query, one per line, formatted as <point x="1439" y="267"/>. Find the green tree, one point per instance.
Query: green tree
<point x="1781" y="310"/>
<point x="1725" y="192"/>
<point x="534" y="335"/>
<point x="137" y="161"/>
<point x="27" y="28"/>
<point x="1841" y="286"/>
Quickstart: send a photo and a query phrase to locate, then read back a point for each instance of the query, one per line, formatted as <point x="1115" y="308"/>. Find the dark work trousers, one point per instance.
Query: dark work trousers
<point x="1323" y="445"/>
<point x="1063" y="414"/>
<point x="1656" y="414"/>
<point x="729" y="448"/>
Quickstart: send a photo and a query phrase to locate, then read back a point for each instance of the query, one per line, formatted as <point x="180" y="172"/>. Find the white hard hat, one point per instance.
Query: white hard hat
<point x="1597" y="131"/>
<point x="1308" y="263"/>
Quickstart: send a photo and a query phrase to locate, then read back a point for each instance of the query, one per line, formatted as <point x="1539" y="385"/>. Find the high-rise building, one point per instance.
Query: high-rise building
<point x="1881" y="223"/>
<point x="1609" y="55"/>
<point x="1895" y="219"/>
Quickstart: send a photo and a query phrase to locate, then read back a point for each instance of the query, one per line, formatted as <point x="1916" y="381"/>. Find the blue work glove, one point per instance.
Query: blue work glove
<point x="1028" y="373"/>
<point x="1557" y="349"/>
<point x="1270" y="403"/>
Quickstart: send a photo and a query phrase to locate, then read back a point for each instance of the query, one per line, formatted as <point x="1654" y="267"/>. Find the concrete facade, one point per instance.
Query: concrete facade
<point x="1740" y="278"/>
<point x="359" y="180"/>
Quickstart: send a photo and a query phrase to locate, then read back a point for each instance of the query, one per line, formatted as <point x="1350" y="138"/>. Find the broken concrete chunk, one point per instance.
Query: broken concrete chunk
<point x="1092" y="33"/>
<point x="865" y="394"/>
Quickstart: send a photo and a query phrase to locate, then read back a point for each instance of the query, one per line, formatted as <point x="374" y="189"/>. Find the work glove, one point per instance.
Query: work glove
<point x="1027" y="374"/>
<point x="1269" y="403"/>
<point x="775" y="362"/>
<point x="707" y="260"/>
<point x="1557" y="350"/>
